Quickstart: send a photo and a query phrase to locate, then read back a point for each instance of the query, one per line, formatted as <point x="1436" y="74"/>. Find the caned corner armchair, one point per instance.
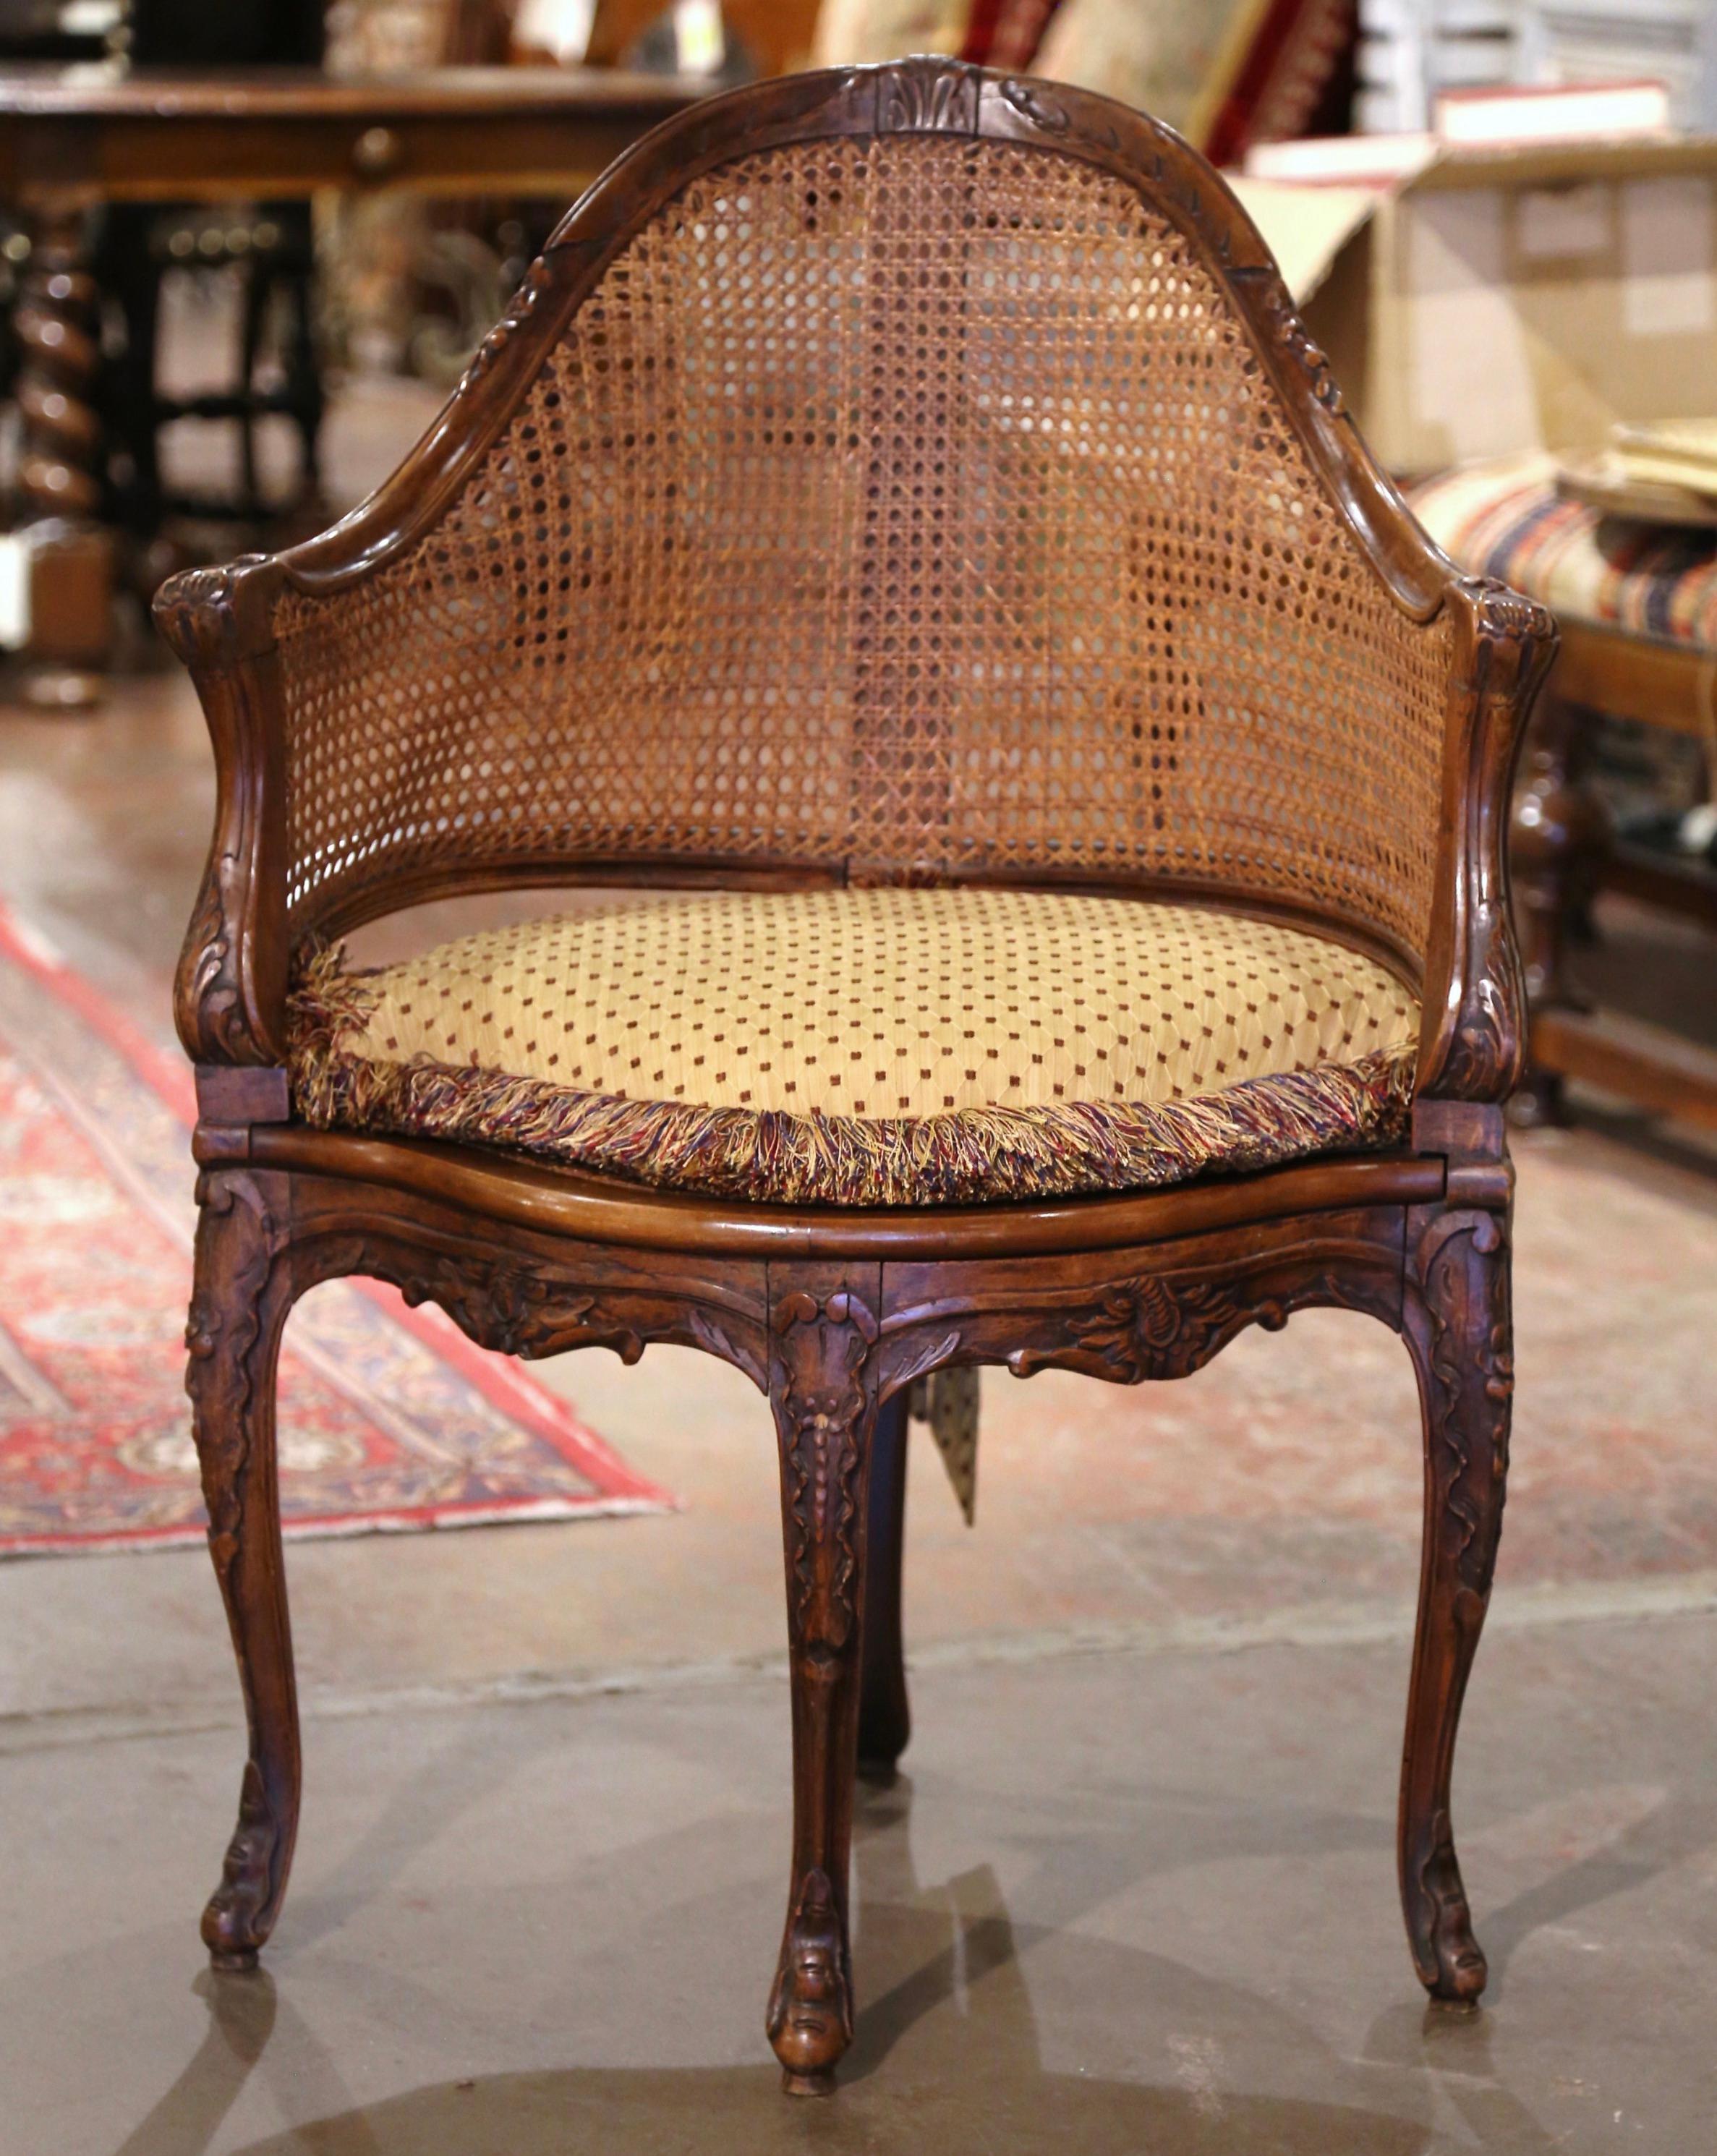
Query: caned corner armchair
<point x="902" y="517"/>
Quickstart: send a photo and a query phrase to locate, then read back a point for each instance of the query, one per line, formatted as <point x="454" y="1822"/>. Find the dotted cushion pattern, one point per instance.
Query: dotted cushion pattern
<point x="913" y="507"/>
<point x="1506" y="519"/>
<point x="886" y="1046"/>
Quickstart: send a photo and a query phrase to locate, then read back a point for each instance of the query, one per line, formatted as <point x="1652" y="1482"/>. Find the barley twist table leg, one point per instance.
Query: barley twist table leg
<point x="58" y="327"/>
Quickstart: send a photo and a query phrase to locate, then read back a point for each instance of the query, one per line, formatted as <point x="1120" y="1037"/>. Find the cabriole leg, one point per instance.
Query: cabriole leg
<point x="240" y="1300"/>
<point x="885" y="1715"/>
<point x="1459" y="1328"/>
<point x="823" y="1389"/>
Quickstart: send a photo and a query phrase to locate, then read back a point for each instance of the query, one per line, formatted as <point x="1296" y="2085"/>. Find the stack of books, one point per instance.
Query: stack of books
<point x="1679" y="453"/>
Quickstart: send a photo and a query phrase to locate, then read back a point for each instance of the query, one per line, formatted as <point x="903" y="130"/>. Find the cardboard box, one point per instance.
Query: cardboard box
<point x="1497" y="300"/>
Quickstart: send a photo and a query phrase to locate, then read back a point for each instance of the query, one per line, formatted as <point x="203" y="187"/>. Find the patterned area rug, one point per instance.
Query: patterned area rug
<point x="390" y="1419"/>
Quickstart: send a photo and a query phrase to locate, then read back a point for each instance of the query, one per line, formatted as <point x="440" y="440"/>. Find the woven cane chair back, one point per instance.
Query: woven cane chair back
<point x="906" y="508"/>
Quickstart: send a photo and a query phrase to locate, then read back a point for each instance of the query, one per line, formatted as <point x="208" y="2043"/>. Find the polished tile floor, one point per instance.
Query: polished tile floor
<point x="1123" y="1902"/>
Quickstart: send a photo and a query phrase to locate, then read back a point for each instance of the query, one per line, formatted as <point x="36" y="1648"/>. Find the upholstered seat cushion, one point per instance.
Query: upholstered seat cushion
<point x="886" y="1047"/>
<point x="1506" y="519"/>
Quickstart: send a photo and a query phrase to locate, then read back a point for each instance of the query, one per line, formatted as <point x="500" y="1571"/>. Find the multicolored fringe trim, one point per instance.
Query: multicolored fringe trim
<point x="968" y="1156"/>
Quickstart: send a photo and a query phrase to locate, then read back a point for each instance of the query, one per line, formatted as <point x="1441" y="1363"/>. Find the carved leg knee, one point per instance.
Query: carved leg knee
<point x="1459" y="1328"/>
<point x="823" y="1388"/>
<point x="885" y="1714"/>
<point x="239" y="1302"/>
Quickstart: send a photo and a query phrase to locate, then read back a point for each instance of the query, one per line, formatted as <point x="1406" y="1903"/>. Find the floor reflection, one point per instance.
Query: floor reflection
<point x="242" y="2012"/>
<point x="947" y="2054"/>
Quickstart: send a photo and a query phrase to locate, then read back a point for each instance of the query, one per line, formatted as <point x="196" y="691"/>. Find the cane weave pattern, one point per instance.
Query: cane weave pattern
<point x="916" y="508"/>
<point x="885" y="1046"/>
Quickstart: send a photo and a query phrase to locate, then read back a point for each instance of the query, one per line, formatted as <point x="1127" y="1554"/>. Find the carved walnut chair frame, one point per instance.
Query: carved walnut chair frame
<point x="833" y="1314"/>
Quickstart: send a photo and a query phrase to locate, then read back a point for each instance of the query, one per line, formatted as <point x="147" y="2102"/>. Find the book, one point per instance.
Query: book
<point x="1559" y="112"/>
<point x="1341" y="160"/>
<point x="1669" y="453"/>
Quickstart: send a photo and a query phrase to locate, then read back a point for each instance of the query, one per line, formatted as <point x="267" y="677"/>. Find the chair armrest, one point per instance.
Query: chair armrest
<point x="1472" y="1040"/>
<point x="230" y="995"/>
<point x="229" y="999"/>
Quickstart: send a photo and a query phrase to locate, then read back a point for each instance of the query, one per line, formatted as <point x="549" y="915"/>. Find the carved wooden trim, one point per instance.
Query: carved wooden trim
<point x="512" y="1197"/>
<point x="221" y="1333"/>
<point x="1152" y="1328"/>
<point x="246" y="1900"/>
<point x="912" y="1359"/>
<point x="1459" y="1325"/>
<point x="516" y="1310"/>
<point x="1475" y="997"/>
<point x="1161" y="1312"/>
<point x="1458" y="1270"/>
<point x="1505" y="615"/>
<point x="1264" y="282"/>
<point x="828" y="1337"/>
<point x="214" y="617"/>
<point x="822" y="1381"/>
<point x="243" y="1290"/>
<point x="230" y="992"/>
<point x="716" y="1335"/>
<point x="927" y="96"/>
<point x="229" y="995"/>
<point x="211" y="994"/>
<point x="1131" y="143"/>
<point x="1036" y="103"/>
<point x="526" y="1310"/>
<point x="537" y="282"/>
<point x="810" y="2005"/>
<point x="515" y="1291"/>
<point x="823" y="1330"/>
<point x="523" y="1300"/>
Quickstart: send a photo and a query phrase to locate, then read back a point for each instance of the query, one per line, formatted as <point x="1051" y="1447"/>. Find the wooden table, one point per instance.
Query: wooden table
<point x="1563" y="852"/>
<point x="73" y="138"/>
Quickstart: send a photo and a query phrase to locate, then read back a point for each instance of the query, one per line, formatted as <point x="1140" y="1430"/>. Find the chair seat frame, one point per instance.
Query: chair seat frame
<point x="834" y="1314"/>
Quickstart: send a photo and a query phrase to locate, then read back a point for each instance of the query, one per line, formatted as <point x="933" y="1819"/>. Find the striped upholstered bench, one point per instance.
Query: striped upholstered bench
<point x="1506" y="519"/>
<point x="1637" y="605"/>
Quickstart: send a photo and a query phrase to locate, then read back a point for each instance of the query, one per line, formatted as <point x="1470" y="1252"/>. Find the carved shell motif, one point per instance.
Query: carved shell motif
<point x="926" y="97"/>
<point x="1505" y="612"/>
<point x="1152" y="1328"/>
<point x="198" y="610"/>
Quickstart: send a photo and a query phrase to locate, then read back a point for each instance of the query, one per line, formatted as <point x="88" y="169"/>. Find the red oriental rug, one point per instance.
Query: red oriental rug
<point x="389" y="1418"/>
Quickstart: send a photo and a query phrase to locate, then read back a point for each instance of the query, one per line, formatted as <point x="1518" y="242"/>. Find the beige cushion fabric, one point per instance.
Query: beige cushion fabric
<point x="888" y="1003"/>
<point x="892" y="1024"/>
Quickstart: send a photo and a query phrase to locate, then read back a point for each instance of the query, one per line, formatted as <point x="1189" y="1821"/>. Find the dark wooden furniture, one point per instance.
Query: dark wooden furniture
<point x="69" y="144"/>
<point x="38" y="30"/>
<point x="271" y="246"/>
<point x="1348" y="808"/>
<point x="1564" y="853"/>
<point x="775" y="34"/>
